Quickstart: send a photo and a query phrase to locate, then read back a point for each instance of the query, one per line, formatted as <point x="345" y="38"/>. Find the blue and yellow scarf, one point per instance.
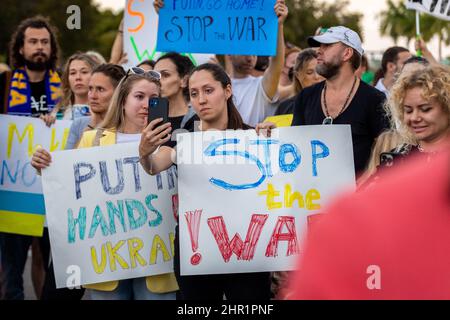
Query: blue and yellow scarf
<point x="19" y="101"/>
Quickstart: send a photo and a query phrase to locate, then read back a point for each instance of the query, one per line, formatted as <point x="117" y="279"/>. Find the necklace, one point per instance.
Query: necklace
<point x="329" y="119"/>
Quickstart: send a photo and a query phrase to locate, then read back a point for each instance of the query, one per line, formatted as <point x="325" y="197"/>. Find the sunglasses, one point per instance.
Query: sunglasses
<point x="151" y="73"/>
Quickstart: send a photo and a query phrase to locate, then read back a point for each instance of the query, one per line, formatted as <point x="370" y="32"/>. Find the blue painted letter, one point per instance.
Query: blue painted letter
<point x="211" y="151"/>
<point x="325" y="153"/>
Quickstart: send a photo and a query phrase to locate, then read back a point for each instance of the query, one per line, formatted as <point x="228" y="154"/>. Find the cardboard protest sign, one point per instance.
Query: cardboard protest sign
<point x="22" y="209"/>
<point x="107" y="218"/>
<point x="218" y="26"/>
<point x="246" y="201"/>
<point x="438" y="8"/>
<point x="140" y="30"/>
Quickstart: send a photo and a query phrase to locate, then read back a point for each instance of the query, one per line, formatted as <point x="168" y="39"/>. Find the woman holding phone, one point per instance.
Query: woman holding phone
<point x="124" y="122"/>
<point x="211" y="97"/>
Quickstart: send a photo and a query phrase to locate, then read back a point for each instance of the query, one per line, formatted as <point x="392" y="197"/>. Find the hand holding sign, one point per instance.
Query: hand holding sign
<point x="281" y="11"/>
<point x="220" y="26"/>
<point x="158" y="4"/>
<point x="41" y="159"/>
<point x="265" y="128"/>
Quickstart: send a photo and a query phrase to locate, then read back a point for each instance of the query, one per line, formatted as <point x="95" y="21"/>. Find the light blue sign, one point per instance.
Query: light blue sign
<point x="246" y="27"/>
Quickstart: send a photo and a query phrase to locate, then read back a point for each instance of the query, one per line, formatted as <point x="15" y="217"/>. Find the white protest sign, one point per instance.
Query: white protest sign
<point x="246" y="201"/>
<point x="22" y="208"/>
<point x="107" y="216"/>
<point x="140" y="34"/>
<point x="437" y="8"/>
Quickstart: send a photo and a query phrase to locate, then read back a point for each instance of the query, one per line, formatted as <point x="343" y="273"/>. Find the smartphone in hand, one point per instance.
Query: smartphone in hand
<point x="158" y="108"/>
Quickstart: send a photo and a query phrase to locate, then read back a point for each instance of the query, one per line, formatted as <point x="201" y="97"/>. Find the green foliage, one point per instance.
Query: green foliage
<point x="399" y="22"/>
<point x="305" y="16"/>
<point x="98" y="28"/>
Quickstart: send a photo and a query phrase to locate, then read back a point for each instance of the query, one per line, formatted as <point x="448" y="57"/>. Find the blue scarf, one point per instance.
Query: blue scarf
<point x="19" y="101"/>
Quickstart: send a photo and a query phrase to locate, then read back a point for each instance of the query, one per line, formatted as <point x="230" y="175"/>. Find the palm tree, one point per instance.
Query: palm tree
<point x="433" y="26"/>
<point x="397" y="21"/>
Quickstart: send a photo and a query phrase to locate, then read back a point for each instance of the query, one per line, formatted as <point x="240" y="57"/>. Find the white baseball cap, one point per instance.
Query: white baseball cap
<point x="338" y="34"/>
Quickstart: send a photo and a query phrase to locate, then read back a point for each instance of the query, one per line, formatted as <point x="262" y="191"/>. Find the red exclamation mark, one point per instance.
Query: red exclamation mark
<point x="193" y="222"/>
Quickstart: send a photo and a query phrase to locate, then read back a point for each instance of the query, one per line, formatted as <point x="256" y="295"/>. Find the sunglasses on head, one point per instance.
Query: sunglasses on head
<point x="151" y="73"/>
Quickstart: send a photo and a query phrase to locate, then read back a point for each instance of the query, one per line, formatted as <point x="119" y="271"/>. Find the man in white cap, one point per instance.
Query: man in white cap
<point x="342" y="98"/>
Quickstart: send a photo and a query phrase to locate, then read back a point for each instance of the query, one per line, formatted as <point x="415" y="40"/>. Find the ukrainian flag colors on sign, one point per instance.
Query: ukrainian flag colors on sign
<point x="22" y="209"/>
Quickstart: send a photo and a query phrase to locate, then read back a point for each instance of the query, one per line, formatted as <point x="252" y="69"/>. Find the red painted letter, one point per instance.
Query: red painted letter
<point x="277" y="236"/>
<point x="243" y="250"/>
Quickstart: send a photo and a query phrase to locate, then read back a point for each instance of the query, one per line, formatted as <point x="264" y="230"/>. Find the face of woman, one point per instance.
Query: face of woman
<point x="136" y="104"/>
<point x="427" y="120"/>
<point x="79" y="76"/>
<point x="208" y="97"/>
<point x="290" y="61"/>
<point x="100" y="93"/>
<point x="171" y="83"/>
<point x="308" y="75"/>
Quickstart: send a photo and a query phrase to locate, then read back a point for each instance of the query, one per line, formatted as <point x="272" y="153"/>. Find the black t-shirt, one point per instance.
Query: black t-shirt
<point x="176" y="124"/>
<point x="38" y="98"/>
<point x="285" y="107"/>
<point x="365" y="114"/>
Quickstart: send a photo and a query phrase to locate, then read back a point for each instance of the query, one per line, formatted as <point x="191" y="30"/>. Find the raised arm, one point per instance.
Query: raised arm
<point x="421" y="45"/>
<point x="117" y="54"/>
<point x="272" y="75"/>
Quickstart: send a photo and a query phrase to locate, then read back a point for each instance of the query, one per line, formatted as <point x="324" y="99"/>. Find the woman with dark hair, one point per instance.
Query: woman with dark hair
<point x="147" y="65"/>
<point x="211" y="97"/>
<point x="175" y="69"/>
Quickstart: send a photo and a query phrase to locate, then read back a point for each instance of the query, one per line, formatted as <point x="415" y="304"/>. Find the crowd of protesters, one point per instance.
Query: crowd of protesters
<point x="402" y="110"/>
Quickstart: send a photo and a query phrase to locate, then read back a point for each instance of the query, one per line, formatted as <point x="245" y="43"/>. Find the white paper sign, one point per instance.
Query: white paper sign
<point x="140" y="33"/>
<point x="107" y="217"/>
<point x="437" y="8"/>
<point x="21" y="202"/>
<point x="246" y="201"/>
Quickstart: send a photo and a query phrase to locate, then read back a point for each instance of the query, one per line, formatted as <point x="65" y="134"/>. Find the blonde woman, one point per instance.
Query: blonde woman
<point x="126" y="118"/>
<point x="75" y="87"/>
<point x="420" y="105"/>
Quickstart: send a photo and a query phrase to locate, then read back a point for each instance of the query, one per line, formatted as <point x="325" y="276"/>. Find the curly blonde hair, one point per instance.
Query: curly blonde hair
<point x="435" y="84"/>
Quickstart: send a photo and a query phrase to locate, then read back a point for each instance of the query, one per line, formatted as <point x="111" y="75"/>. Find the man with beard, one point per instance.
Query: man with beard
<point x="342" y="98"/>
<point x="33" y="87"/>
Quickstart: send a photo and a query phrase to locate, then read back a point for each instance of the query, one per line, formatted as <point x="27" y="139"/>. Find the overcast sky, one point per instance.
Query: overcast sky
<point x="370" y="9"/>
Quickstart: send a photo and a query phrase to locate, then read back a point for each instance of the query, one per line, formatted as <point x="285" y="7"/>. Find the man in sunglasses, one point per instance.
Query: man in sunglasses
<point x="342" y="98"/>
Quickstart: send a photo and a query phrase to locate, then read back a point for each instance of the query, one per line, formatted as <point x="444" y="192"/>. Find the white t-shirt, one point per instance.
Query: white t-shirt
<point x="127" y="137"/>
<point x="380" y="86"/>
<point x="251" y="100"/>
